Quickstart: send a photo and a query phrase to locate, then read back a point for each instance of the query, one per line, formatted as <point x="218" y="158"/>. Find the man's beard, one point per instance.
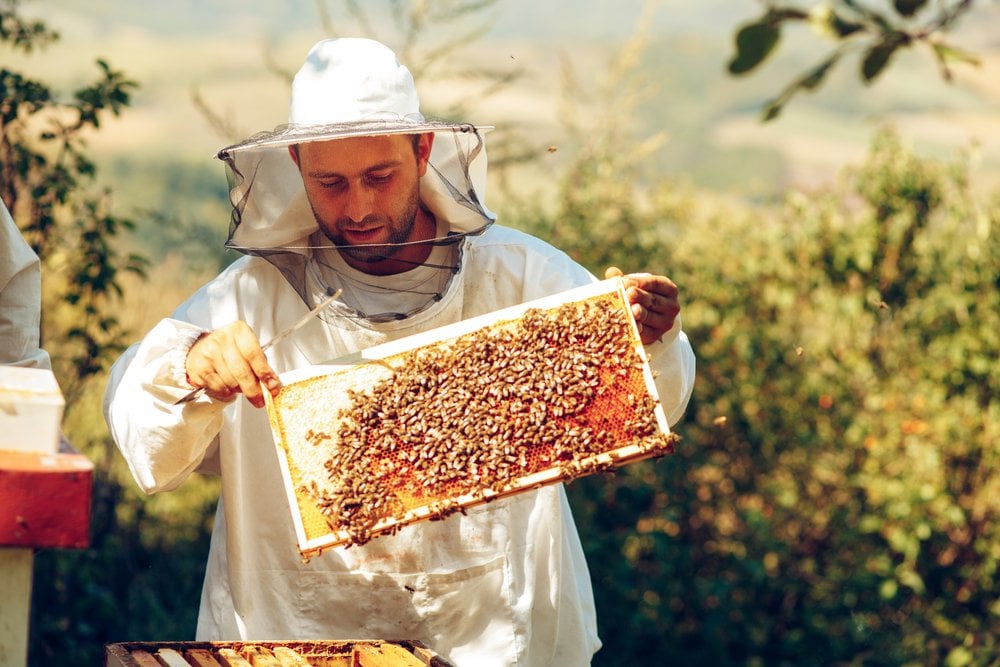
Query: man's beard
<point x="400" y="230"/>
<point x="380" y="251"/>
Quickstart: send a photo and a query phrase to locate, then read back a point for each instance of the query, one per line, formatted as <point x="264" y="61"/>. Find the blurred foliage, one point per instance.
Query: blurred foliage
<point x="879" y="31"/>
<point x="48" y="185"/>
<point x="596" y="217"/>
<point x="182" y="209"/>
<point x="836" y="495"/>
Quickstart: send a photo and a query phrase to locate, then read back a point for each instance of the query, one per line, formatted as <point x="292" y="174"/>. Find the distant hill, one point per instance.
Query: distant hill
<point x="227" y="52"/>
<point x="519" y="19"/>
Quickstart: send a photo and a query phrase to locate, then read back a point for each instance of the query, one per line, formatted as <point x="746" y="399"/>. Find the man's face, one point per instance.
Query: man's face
<point x="364" y="193"/>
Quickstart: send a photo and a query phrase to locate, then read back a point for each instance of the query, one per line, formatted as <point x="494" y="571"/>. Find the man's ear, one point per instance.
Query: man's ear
<point x="293" y="150"/>
<point x="424" y="145"/>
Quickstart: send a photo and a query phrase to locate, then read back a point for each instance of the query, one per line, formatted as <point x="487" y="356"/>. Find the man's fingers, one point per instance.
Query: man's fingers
<point x="655" y="304"/>
<point x="239" y="375"/>
<point x="225" y="394"/>
<point x="651" y="284"/>
<point x="258" y="364"/>
<point x="230" y="360"/>
<point x="653" y="300"/>
<point x="200" y="366"/>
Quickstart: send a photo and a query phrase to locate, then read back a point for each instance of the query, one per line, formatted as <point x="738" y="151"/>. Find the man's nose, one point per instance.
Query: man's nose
<point x="360" y="201"/>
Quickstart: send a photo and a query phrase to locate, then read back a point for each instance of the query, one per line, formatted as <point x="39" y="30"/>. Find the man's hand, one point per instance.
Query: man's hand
<point x="228" y="361"/>
<point x="654" y="302"/>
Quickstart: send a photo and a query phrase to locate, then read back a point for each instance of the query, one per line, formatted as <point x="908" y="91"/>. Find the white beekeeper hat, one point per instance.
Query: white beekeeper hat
<point x="383" y="89"/>
<point x="349" y="87"/>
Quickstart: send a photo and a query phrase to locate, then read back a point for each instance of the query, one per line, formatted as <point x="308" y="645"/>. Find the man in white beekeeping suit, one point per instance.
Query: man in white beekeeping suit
<point x="361" y="193"/>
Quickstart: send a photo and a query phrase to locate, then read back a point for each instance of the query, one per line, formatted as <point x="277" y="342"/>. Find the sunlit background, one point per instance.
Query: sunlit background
<point x="231" y="54"/>
<point x="834" y="500"/>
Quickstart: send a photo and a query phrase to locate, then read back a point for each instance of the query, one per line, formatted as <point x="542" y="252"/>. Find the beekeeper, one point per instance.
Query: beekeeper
<point x="361" y="193"/>
<point x="20" y="298"/>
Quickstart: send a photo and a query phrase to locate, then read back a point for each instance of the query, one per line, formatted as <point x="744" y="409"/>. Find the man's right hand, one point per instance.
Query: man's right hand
<point x="229" y="361"/>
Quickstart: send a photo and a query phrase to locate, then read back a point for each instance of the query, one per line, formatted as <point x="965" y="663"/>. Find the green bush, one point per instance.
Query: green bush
<point x="834" y="500"/>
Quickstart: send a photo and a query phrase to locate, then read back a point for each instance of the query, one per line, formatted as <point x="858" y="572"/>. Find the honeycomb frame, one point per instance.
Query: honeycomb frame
<point x="425" y="426"/>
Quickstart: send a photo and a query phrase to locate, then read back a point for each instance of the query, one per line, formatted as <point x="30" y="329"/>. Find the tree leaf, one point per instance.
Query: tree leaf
<point x="776" y="15"/>
<point x="808" y="81"/>
<point x="754" y="42"/>
<point x="841" y="26"/>
<point x="870" y="15"/>
<point x="879" y="55"/>
<point x="815" y="76"/>
<point x="773" y="109"/>
<point x="949" y="54"/>
<point x="908" y="8"/>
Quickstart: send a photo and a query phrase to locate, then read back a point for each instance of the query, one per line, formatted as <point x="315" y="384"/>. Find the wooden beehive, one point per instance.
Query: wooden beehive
<point x="353" y="653"/>
<point x="432" y="424"/>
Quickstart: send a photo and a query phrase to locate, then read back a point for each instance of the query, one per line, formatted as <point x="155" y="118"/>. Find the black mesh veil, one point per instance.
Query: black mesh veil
<point x="272" y="219"/>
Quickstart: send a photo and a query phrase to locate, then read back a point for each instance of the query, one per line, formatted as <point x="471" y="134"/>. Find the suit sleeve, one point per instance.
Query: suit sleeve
<point x="162" y="442"/>
<point x="672" y="362"/>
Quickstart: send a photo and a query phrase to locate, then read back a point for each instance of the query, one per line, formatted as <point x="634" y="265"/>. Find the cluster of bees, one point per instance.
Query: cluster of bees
<point x="473" y="415"/>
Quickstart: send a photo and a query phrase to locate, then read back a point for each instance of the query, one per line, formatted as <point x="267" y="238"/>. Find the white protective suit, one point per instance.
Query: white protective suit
<point x="506" y="584"/>
<point x="20" y="298"/>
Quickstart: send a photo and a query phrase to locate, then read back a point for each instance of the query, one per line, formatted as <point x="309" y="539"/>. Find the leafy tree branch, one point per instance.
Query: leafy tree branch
<point x="47" y="184"/>
<point x="854" y="26"/>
